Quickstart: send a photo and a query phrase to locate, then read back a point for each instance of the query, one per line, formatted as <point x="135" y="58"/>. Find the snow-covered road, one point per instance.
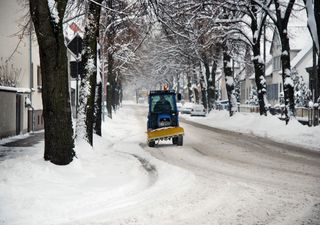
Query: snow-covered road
<point x="243" y="179"/>
<point x="236" y="179"/>
<point x="217" y="177"/>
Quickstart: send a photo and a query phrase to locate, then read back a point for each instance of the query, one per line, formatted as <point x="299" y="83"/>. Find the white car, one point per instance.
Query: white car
<point x="141" y="100"/>
<point x="198" y="110"/>
<point x="186" y="109"/>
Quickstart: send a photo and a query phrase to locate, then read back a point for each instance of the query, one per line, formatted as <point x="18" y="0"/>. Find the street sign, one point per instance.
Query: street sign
<point x="76" y="68"/>
<point x="75" y="45"/>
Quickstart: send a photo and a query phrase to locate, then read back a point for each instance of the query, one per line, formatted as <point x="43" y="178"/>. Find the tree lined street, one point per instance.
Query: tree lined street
<point x="141" y="112"/>
<point x="181" y="44"/>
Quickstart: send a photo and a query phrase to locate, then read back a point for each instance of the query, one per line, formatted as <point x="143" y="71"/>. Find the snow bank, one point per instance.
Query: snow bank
<point x="269" y="127"/>
<point x="37" y="192"/>
<point x="100" y="183"/>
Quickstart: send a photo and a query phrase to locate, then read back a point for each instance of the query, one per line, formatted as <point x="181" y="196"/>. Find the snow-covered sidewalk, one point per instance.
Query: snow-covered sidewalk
<point x="116" y="176"/>
<point x="268" y="127"/>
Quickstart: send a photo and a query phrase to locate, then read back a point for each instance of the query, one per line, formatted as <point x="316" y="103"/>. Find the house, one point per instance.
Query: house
<point x="237" y="69"/>
<point x="300" y="60"/>
<point x="20" y="74"/>
<point x="246" y="86"/>
<point x="300" y="57"/>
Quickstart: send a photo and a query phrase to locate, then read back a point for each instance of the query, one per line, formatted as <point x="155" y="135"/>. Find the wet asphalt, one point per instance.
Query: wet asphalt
<point x="18" y="145"/>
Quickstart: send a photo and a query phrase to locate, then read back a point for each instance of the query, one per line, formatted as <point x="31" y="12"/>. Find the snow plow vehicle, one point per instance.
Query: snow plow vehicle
<point x="163" y="120"/>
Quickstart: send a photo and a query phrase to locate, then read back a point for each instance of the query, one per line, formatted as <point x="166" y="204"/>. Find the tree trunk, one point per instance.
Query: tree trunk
<point x="55" y="93"/>
<point x="212" y="86"/>
<point x="259" y="64"/>
<point x="115" y="93"/>
<point x="119" y="92"/>
<point x="259" y="78"/>
<point x="203" y="92"/>
<point x="286" y="77"/>
<point x="88" y="82"/>
<point x="110" y="60"/>
<point x="228" y="73"/>
<point x="98" y="111"/>
<point x="203" y="87"/>
<point x="282" y="24"/>
<point x="110" y="84"/>
<point x="190" y="93"/>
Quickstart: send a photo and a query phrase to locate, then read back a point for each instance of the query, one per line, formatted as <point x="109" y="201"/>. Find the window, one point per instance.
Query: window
<point x="272" y="92"/>
<point x="162" y="103"/>
<point x="39" y="78"/>
<point x="276" y="63"/>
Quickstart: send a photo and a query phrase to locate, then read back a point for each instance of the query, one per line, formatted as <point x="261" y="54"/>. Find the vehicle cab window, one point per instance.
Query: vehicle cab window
<point x="162" y="103"/>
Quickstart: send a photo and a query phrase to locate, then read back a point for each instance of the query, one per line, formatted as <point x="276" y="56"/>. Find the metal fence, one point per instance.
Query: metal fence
<point x="248" y="108"/>
<point x="309" y="116"/>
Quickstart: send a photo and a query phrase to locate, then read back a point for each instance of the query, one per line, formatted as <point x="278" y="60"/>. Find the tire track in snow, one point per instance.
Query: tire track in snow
<point x="151" y="169"/>
<point x="147" y="166"/>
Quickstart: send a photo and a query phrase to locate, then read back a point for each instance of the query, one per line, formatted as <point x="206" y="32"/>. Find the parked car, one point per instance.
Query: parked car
<point x="186" y="109"/>
<point x="141" y="100"/>
<point x="198" y="110"/>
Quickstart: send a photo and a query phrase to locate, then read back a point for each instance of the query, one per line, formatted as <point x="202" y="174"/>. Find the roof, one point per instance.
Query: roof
<point x="6" y="88"/>
<point x="268" y="69"/>
<point x="15" y="89"/>
<point x="218" y="74"/>
<point x="302" y="54"/>
<point x="299" y="36"/>
<point x="242" y="74"/>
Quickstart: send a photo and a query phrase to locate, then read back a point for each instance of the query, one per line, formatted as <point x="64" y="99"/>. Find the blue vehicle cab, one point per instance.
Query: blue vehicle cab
<point x="163" y="120"/>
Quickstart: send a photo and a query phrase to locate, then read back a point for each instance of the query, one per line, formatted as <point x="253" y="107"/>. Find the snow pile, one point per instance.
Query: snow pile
<point x="114" y="176"/>
<point x="269" y="127"/>
<point x="34" y="191"/>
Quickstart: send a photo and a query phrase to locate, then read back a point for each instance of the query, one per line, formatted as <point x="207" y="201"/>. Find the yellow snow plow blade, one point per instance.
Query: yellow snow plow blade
<point x="164" y="133"/>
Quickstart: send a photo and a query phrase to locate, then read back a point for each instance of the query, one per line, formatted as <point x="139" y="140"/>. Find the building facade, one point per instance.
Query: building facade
<point x="20" y="74"/>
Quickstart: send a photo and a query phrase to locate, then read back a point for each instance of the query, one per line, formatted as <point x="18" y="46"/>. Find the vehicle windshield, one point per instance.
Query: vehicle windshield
<point x="162" y="103"/>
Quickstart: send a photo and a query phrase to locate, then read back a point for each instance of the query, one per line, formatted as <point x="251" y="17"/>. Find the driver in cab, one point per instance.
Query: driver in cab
<point x="162" y="106"/>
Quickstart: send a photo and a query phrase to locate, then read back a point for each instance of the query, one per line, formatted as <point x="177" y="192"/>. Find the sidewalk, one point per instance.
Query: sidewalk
<point x="28" y="141"/>
<point x="13" y="146"/>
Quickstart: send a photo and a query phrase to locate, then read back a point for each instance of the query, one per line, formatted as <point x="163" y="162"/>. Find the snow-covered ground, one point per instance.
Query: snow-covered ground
<point x="269" y="127"/>
<point x="114" y="176"/>
<point x="119" y="182"/>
